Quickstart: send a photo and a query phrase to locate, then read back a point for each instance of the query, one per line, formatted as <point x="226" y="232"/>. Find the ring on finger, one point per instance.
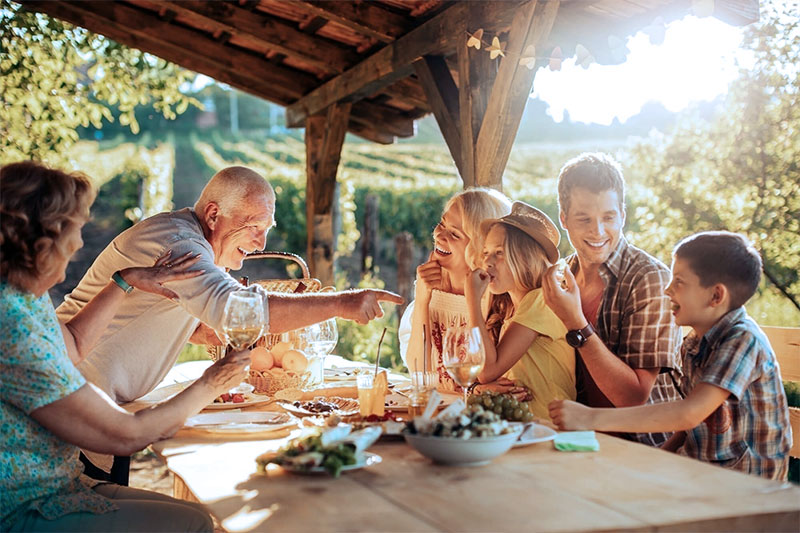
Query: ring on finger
<point x="168" y="265"/>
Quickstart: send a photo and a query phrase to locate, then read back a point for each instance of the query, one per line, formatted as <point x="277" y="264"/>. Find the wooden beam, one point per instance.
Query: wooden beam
<point x="181" y="56"/>
<point x="442" y="93"/>
<point x="147" y="25"/>
<point x="393" y="62"/>
<point x="465" y="122"/>
<point x="437" y="36"/>
<point x="510" y="91"/>
<point x="324" y="54"/>
<point x="367" y="132"/>
<point x="382" y="118"/>
<point x="362" y="17"/>
<point x="409" y="91"/>
<point x="324" y="139"/>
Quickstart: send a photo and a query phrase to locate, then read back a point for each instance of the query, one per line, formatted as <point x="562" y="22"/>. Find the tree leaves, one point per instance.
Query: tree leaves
<point x="55" y="77"/>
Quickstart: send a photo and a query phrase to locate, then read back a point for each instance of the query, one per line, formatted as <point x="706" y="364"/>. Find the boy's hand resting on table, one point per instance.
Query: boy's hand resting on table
<point x="569" y="415"/>
<point x="227" y="372"/>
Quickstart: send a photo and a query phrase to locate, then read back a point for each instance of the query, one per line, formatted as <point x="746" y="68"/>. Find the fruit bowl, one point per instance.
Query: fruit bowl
<point x="456" y="451"/>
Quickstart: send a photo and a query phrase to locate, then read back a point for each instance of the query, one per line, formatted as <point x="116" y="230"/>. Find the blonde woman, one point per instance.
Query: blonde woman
<point x="439" y="299"/>
<point x="48" y="410"/>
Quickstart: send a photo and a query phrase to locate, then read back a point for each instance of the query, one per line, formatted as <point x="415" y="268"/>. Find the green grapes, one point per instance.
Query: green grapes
<point x="504" y="405"/>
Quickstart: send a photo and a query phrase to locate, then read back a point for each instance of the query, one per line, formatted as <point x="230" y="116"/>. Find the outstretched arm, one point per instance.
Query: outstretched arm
<point x="289" y="311"/>
<point x="90" y="419"/>
<point x="680" y="415"/>
<point x="83" y="330"/>
<point x="623" y="386"/>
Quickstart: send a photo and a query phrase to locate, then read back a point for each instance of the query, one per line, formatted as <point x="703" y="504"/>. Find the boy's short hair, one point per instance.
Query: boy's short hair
<point x="596" y="172"/>
<point x="723" y="257"/>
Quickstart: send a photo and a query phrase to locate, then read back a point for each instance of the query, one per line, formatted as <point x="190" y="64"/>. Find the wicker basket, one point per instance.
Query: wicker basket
<point x="270" y="381"/>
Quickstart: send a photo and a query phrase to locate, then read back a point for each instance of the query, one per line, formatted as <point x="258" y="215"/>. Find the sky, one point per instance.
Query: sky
<point x="695" y="62"/>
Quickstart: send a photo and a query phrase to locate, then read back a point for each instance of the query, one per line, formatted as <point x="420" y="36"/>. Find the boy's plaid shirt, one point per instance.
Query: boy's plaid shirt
<point x="750" y="431"/>
<point x="635" y="323"/>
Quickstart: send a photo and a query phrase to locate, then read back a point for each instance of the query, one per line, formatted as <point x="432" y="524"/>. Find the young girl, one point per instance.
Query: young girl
<point x="439" y="293"/>
<point x="521" y="332"/>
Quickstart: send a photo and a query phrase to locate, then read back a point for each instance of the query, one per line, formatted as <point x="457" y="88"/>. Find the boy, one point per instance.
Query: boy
<point x="735" y="414"/>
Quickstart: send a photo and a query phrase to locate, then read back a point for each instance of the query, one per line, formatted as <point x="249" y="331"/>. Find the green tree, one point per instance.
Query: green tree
<point x="741" y="170"/>
<point x="55" y="77"/>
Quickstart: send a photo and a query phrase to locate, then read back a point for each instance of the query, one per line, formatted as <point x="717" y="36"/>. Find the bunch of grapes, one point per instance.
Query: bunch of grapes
<point x="504" y="405"/>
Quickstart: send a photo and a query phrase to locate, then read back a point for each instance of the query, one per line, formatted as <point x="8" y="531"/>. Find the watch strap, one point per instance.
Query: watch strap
<point x="116" y="277"/>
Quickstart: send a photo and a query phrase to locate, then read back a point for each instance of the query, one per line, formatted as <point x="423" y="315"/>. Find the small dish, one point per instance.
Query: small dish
<point x="533" y="433"/>
<point x="251" y="399"/>
<point x="235" y="423"/>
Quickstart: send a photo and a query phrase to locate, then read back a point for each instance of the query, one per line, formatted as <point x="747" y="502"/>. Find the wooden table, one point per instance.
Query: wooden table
<point x="624" y="486"/>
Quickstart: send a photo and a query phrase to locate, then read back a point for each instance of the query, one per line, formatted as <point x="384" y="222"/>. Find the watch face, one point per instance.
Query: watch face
<point x="575" y="338"/>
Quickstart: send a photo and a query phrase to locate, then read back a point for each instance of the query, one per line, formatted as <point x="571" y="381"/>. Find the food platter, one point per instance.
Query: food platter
<point x="322" y="406"/>
<point x="364" y="460"/>
<point x="398" y="402"/>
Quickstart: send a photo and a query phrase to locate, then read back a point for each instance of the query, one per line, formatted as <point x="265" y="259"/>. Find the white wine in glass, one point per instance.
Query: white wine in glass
<point x="463" y="355"/>
<point x="243" y="324"/>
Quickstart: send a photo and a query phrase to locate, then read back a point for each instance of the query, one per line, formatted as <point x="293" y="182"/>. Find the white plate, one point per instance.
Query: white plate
<point x="253" y="422"/>
<point x="534" y="433"/>
<point x="366" y="459"/>
<point x="250" y="400"/>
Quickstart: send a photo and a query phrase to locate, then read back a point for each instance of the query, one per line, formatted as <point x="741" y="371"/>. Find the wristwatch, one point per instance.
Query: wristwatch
<point x="578" y="337"/>
<point x="116" y="277"/>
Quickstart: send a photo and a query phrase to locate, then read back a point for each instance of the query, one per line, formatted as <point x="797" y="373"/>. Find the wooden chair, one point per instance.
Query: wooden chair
<point x="786" y="344"/>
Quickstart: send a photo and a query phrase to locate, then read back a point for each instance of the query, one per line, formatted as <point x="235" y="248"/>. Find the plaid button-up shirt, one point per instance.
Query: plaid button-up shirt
<point x="635" y="323"/>
<point x="750" y="431"/>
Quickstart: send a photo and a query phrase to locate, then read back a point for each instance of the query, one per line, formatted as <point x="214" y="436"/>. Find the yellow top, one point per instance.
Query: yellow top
<point x="548" y="367"/>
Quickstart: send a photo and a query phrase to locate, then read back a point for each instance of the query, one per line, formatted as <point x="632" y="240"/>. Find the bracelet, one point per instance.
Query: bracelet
<point x="116" y="277"/>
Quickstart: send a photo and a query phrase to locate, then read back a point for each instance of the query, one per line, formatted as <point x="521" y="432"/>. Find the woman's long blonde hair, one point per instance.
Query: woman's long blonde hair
<point x="528" y="262"/>
<point x="37" y="204"/>
<point x="478" y="204"/>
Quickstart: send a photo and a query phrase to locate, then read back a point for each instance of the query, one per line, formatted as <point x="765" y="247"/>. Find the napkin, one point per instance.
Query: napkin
<point x="576" y="441"/>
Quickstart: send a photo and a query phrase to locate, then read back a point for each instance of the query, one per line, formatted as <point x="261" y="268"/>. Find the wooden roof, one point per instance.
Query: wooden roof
<point x="307" y="55"/>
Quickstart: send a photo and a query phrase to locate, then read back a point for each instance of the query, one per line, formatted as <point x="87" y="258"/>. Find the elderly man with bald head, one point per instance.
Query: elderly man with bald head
<point x="231" y="218"/>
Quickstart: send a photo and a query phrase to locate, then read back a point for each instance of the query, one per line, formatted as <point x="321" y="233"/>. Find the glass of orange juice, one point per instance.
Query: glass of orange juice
<point x="366" y="393"/>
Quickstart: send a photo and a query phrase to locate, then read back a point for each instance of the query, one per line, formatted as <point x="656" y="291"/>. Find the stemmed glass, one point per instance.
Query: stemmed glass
<point x="463" y="355"/>
<point x="323" y="337"/>
<point x="243" y="321"/>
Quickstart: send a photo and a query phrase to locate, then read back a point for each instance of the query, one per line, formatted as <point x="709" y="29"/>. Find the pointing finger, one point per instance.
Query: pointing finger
<point x="387" y="296"/>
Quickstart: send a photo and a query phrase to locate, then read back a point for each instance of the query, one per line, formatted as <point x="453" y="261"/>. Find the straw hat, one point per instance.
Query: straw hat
<point x="534" y="223"/>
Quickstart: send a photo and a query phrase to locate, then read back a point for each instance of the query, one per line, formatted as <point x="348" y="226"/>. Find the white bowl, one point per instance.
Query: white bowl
<point x="463" y="452"/>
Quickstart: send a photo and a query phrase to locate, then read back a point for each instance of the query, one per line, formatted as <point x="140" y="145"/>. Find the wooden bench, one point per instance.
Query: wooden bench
<point x="786" y="344"/>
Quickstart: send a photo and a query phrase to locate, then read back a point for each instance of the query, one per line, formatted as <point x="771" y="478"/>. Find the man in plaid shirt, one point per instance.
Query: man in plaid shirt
<point x="735" y="414"/>
<point x="616" y="291"/>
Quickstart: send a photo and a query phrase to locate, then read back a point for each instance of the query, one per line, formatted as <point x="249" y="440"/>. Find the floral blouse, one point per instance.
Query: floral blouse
<point x="38" y="471"/>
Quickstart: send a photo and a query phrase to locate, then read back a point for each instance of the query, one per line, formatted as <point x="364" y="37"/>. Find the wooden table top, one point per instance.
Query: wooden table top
<point x="624" y="486"/>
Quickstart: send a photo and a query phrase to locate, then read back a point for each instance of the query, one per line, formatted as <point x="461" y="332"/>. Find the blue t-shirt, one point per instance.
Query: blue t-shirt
<point x="38" y="470"/>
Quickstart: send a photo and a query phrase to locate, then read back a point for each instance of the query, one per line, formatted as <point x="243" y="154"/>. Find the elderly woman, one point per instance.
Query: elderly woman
<point x="48" y="410"/>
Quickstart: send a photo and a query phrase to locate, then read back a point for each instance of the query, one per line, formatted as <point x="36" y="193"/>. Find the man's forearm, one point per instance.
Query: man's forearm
<point x="288" y="312"/>
<point x="619" y="382"/>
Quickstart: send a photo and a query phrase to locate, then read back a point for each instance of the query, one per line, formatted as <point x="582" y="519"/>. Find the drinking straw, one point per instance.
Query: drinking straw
<point x="378" y="357"/>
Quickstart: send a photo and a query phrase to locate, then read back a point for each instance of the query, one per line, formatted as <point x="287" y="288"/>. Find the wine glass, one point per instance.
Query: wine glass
<point x="463" y="355"/>
<point x="323" y="337"/>
<point x="243" y="321"/>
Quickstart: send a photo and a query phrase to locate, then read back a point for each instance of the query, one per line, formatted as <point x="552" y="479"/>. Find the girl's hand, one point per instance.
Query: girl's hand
<point x="570" y="415"/>
<point x="563" y="297"/>
<point x="227" y="372"/>
<point x="429" y="274"/>
<point x="151" y="279"/>
<point x="477" y="282"/>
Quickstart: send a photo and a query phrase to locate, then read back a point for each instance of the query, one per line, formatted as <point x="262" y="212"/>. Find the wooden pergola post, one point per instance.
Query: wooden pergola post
<point x="479" y="116"/>
<point x="324" y="139"/>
